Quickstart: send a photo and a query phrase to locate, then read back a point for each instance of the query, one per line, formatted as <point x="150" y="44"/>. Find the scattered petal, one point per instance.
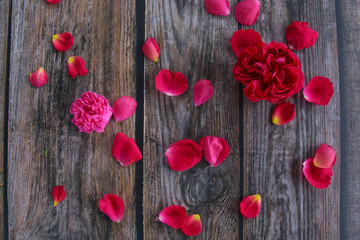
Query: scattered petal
<point x="151" y="49"/>
<point x="250" y="206"/>
<point x="325" y="157"/>
<point x="300" y="36"/>
<point x="183" y="155"/>
<point x="38" y="78"/>
<point x="171" y="84"/>
<point x="112" y="206"/>
<point x="215" y="149"/>
<point x="63" y="42"/>
<point x="218" y="7"/>
<point x="317" y="177"/>
<point x="242" y="39"/>
<point x="247" y="12"/>
<point x="76" y="65"/>
<point x="125" y="150"/>
<point x="53" y="1"/>
<point x="123" y="108"/>
<point x="58" y="194"/>
<point x="319" y="91"/>
<point x="192" y="225"/>
<point x="283" y="113"/>
<point x="203" y="91"/>
<point x="174" y="216"/>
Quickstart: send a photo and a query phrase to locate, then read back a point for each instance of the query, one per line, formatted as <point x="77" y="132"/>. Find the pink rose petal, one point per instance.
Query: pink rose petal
<point x="123" y="108"/>
<point x="203" y="91"/>
<point x="319" y="91"/>
<point x="247" y="12"/>
<point x="125" y="150"/>
<point x="171" y="84"/>
<point x="217" y="7"/>
<point x="242" y="39"/>
<point x="113" y="206"/>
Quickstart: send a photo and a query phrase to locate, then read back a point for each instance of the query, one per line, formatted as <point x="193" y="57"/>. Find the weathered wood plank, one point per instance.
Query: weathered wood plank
<point x="273" y="156"/>
<point x="197" y="44"/>
<point x="45" y="148"/>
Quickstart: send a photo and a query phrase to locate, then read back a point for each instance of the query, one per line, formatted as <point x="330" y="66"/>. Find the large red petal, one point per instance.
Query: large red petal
<point x="215" y="149"/>
<point x="123" y="108"/>
<point x="183" y="155"/>
<point x="63" y="42"/>
<point x="247" y="12"/>
<point x="76" y="65"/>
<point x="203" y="91"/>
<point x="325" y="157"/>
<point x="174" y="216"/>
<point x="151" y="49"/>
<point x="242" y="39"/>
<point x="250" y="206"/>
<point x="283" y="113"/>
<point x="58" y="194"/>
<point x="319" y="91"/>
<point x="171" y="84"/>
<point x="38" y="78"/>
<point x="113" y="206"/>
<point x="125" y="150"/>
<point x="317" y="177"/>
<point x="300" y="36"/>
<point x="217" y="7"/>
<point x="192" y="225"/>
<point x="53" y="1"/>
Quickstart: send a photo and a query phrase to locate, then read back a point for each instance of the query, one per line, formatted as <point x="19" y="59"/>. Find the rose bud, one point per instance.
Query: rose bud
<point x="192" y="226"/>
<point x="124" y="108"/>
<point x="174" y="216"/>
<point x="171" y="84"/>
<point x="203" y="91"/>
<point x="283" y="113"/>
<point x="112" y="206"/>
<point x="247" y="12"/>
<point x="183" y="155"/>
<point x="151" y="49"/>
<point x="125" y="150"/>
<point x="76" y="65"/>
<point x="217" y="7"/>
<point x="300" y="36"/>
<point x="58" y="194"/>
<point x="215" y="149"/>
<point x="319" y="91"/>
<point x="63" y="42"/>
<point x="38" y="78"/>
<point x="317" y="177"/>
<point x="250" y="206"/>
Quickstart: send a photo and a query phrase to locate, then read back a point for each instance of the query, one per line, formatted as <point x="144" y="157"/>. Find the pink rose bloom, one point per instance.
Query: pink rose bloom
<point x="91" y="112"/>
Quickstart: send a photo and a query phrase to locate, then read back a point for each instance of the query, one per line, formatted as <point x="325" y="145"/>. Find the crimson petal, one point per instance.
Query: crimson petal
<point x="250" y="206"/>
<point x="317" y="177"/>
<point x="319" y="91"/>
<point x="174" y="216"/>
<point x="76" y="65"/>
<point x="217" y="7"/>
<point x="183" y="155"/>
<point x="125" y="150"/>
<point x="242" y="39"/>
<point x="300" y="36"/>
<point x="58" y="194"/>
<point x="203" y="91"/>
<point x="63" y="42"/>
<point x="171" y="84"/>
<point x="215" y="149"/>
<point x="283" y="113"/>
<point x="53" y="1"/>
<point x="112" y="206"/>
<point x="151" y="49"/>
<point x="192" y="225"/>
<point x="247" y="12"/>
<point x="38" y="78"/>
<point x="123" y="108"/>
<point x="325" y="157"/>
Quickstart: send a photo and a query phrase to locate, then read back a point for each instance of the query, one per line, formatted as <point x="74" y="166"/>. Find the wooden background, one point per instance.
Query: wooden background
<point x="41" y="148"/>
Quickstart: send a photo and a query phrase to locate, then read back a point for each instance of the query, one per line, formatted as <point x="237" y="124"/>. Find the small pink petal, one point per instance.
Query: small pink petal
<point x="53" y="1"/>
<point x="319" y="91"/>
<point x="317" y="177"/>
<point x="242" y="39"/>
<point x="151" y="49"/>
<point x="247" y="12"/>
<point x="174" y="216"/>
<point x="123" y="108"/>
<point x="250" y="206"/>
<point x="283" y="113"/>
<point x="218" y="7"/>
<point x="38" y="78"/>
<point x="325" y="157"/>
<point x="171" y="84"/>
<point x="215" y="149"/>
<point x="125" y="150"/>
<point x="203" y="91"/>
<point x="113" y="206"/>
<point x="63" y="42"/>
<point x="300" y="36"/>
<point x="192" y="225"/>
<point x="58" y="194"/>
<point x="183" y="155"/>
<point x="76" y="65"/>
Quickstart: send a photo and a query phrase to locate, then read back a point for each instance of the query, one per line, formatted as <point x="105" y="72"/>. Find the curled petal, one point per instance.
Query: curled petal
<point x="112" y="206"/>
<point x="218" y="7"/>
<point x="123" y="108"/>
<point x="203" y="91"/>
<point x="242" y="39"/>
<point x="53" y="1"/>
<point x="250" y="206"/>
<point x="215" y="149"/>
<point x="300" y="36"/>
<point x="76" y="65"/>
<point x="183" y="155"/>
<point x="283" y="113"/>
<point x="171" y="84"/>
<point x="319" y="91"/>
<point x="63" y="42"/>
<point x="317" y="177"/>
<point x="174" y="216"/>
<point x="247" y="12"/>
<point x="125" y="150"/>
<point x="38" y="78"/>
<point x="151" y="49"/>
<point x="192" y="225"/>
<point x="58" y="194"/>
<point x="325" y="157"/>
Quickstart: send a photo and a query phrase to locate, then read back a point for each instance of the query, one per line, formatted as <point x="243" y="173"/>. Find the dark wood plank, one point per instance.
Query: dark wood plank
<point x="45" y="148"/>
<point x="273" y="156"/>
<point x="197" y="44"/>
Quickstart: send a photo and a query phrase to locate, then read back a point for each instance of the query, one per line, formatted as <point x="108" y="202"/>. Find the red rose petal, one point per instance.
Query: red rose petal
<point x="250" y="206"/>
<point x="53" y="1"/>
<point x="38" y="78"/>
<point x="171" y="84"/>
<point x="123" y="108"/>
<point x="215" y="149"/>
<point x="112" y="206"/>
<point x="125" y="150"/>
<point x="203" y="91"/>
<point x="76" y="65"/>
<point x="151" y="49"/>
<point x="218" y="7"/>
<point x="63" y="42"/>
<point x="319" y="91"/>
<point x="192" y="225"/>
<point x="300" y="36"/>
<point x="58" y="194"/>
<point x="283" y="113"/>
<point x="317" y="177"/>
<point x="242" y="39"/>
<point x="183" y="155"/>
<point x="325" y="157"/>
<point x="247" y="12"/>
<point x="174" y="216"/>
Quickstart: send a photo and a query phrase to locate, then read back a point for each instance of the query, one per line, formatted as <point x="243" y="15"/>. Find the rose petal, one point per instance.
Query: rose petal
<point x="53" y="1"/>
<point x="76" y="65"/>
<point x="215" y="149"/>
<point x="283" y="113"/>
<point x="192" y="225"/>
<point x="112" y="206"/>
<point x="58" y="194"/>
<point x="171" y="84"/>
<point x="123" y="108"/>
<point x="63" y="42"/>
<point x="38" y="78"/>
<point x="250" y="206"/>
<point x="319" y="91"/>
<point x="300" y="36"/>
<point x="217" y="7"/>
<point x="151" y="49"/>
<point x="317" y="177"/>
<point x="325" y="157"/>
<point x="242" y="39"/>
<point x="183" y="155"/>
<point x="247" y="12"/>
<point x="125" y="150"/>
<point x="174" y="216"/>
<point x="203" y="91"/>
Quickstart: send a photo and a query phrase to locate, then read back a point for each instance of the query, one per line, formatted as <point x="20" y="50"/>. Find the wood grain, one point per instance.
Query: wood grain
<point x="45" y="148"/>
<point x="273" y="156"/>
<point x="197" y="44"/>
